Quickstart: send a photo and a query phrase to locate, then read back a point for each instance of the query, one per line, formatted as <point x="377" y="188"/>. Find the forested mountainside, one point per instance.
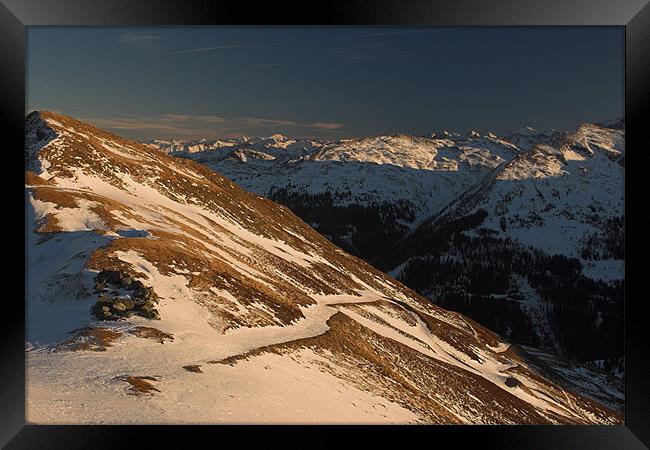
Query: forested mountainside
<point x="524" y="233"/>
<point x="159" y="291"/>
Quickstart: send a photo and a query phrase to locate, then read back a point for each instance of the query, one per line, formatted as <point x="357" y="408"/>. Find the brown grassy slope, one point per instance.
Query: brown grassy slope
<point x="270" y="289"/>
<point x="176" y="177"/>
<point x="436" y="391"/>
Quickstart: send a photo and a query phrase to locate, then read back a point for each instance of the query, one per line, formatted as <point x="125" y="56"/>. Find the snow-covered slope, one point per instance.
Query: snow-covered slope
<point x="535" y="249"/>
<point x="261" y="318"/>
<point x="270" y="144"/>
<point x="387" y="199"/>
<point x="527" y="137"/>
<point x="563" y="199"/>
<point x="363" y="194"/>
<point x="581" y="170"/>
<point x="425" y="172"/>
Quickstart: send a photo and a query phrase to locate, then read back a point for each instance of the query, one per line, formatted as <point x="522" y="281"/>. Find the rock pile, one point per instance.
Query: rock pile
<point x="121" y="296"/>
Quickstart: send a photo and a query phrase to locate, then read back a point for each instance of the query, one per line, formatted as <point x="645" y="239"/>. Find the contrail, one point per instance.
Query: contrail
<point x="309" y="41"/>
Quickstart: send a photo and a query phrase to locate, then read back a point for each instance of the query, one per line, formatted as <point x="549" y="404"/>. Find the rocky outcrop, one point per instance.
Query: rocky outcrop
<point x="121" y="296"/>
<point x="249" y="283"/>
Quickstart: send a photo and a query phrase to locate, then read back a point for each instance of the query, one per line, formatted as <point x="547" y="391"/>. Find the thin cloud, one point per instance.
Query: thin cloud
<point x="192" y="118"/>
<point x="208" y="126"/>
<point x="364" y="45"/>
<point x="307" y="41"/>
<point x="289" y="123"/>
<point x="365" y="57"/>
<point x="255" y="66"/>
<point x="128" y="123"/>
<point x="210" y="119"/>
<point x="56" y="111"/>
<point x="138" y="40"/>
<point x="326" y="125"/>
<point x="218" y="47"/>
<point x="263" y="121"/>
<point x="367" y="51"/>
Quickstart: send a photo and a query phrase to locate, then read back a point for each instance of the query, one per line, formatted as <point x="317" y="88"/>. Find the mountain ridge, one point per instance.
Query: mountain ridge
<point x="232" y="274"/>
<point x="558" y="192"/>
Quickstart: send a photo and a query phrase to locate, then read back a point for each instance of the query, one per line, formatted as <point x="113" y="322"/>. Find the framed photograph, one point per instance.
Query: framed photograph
<point x="376" y="214"/>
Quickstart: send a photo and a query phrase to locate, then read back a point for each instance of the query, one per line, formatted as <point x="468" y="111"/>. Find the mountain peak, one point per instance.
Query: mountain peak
<point x="278" y="137"/>
<point x="617" y="123"/>
<point x="127" y="244"/>
<point x="526" y="131"/>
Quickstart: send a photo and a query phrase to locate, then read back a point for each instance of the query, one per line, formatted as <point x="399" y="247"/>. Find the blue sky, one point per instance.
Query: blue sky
<point x="331" y="82"/>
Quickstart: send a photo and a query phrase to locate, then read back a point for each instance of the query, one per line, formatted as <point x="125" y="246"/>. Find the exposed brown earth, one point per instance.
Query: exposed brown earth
<point x="193" y="368"/>
<point x="569" y="378"/>
<point x="99" y="339"/>
<point x="152" y="334"/>
<point x="429" y="385"/>
<point x="31" y="179"/>
<point x="242" y="281"/>
<point x="218" y="195"/>
<point x="139" y="386"/>
<point x="95" y="339"/>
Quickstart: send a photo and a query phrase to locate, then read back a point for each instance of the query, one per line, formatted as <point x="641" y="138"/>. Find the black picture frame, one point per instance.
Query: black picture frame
<point x="633" y="15"/>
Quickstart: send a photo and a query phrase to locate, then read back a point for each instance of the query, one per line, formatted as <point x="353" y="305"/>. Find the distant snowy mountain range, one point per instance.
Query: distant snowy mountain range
<point x="554" y="190"/>
<point x="159" y="291"/>
<point x="382" y="198"/>
<point x="424" y="172"/>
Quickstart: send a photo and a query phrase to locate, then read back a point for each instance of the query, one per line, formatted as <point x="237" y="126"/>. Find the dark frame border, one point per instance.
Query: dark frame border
<point x="634" y="15"/>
